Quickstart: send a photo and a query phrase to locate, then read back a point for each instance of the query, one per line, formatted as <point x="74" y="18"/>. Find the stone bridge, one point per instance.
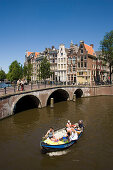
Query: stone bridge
<point x="19" y="101"/>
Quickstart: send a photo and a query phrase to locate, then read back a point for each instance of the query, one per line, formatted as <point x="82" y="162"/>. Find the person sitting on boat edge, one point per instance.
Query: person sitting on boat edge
<point x="50" y="133"/>
<point x="68" y="124"/>
<point x="80" y="124"/>
<point x="73" y="135"/>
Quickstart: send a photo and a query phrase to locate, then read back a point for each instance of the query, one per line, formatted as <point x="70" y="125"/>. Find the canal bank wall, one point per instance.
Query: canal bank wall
<point x="40" y="97"/>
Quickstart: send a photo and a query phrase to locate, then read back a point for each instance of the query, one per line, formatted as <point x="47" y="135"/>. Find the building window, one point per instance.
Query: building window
<point x="69" y="60"/>
<point x="74" y="59"/>
<point x="80" y="73"/>
<point x="71" y="77"/>
<point x="85" y="64"/>
<point x="81" y="51"/>
<point x="69" y="68"/>
<point x="79" y="64"/>
<point x="81" y="58"/>
<point x="61" y="66"/>
<point x="61" y="60"/>
<point x="85" y="57"/>
<point x="73" y="68"/>
<point x="78" y="58"/>
<point x="61" y="54"/>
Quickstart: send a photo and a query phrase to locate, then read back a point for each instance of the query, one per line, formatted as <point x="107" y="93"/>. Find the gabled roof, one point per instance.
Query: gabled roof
<point x="89" y="49"/>
<point x="35" y="54"/>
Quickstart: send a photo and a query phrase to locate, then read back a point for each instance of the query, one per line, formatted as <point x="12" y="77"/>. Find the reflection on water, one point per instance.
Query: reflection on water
<point x="20" y="136"/>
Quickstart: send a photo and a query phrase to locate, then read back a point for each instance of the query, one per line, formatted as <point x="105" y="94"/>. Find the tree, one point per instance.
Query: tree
<point x="2" y="75"/>
<point x="15" y="71"/>
<point x="45" y="69"/>
<point x="27" y="71"/>
<point x="107" y="49"/>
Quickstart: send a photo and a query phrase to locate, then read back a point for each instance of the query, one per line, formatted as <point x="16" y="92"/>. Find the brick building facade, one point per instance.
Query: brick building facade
<point x="73" y="65"/>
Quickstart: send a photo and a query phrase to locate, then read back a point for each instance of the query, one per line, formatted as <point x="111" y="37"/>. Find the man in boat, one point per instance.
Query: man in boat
<point x="80" y="124"/>
<point x="50" y="133"/>
<point x="73" y="135"/>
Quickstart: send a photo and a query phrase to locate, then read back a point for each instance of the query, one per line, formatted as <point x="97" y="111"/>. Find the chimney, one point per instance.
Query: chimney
<point x="53" y="47"/>
<point x="92" y="45"/>
<point x="81" y="42"/>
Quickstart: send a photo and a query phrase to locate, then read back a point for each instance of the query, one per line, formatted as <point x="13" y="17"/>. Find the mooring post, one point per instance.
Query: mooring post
<point x="68" y="99"/>
<point x="52" y="102"/>
<point x="74" y="97"/>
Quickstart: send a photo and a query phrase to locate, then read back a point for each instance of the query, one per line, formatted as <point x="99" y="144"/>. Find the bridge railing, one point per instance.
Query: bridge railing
<point x="26" y="87"/>
<point x="34" y="86"/>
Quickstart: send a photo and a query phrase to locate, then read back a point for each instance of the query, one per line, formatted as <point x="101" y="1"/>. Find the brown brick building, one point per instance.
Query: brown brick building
<point x="86" y="64"/>
<point x="72" y="63"/>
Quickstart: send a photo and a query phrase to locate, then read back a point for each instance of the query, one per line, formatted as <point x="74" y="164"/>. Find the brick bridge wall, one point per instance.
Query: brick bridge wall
<point x="8" y="102"/>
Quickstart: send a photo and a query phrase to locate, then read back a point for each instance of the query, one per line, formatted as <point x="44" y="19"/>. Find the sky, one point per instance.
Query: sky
<point x="34" y="25"/>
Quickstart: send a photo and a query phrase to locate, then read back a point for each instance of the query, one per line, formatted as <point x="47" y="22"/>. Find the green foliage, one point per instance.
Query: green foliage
<point x="45" y="69"/>
<point x="27" y="71"/>
<point x="15" y="71"/>
<point x="2" y="75"/>
<point x="107" y="46"/>
<point x="107" y="49"/>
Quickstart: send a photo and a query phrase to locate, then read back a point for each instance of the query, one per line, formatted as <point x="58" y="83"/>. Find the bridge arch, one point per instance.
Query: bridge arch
<point x="26" y="102"/>
<point x="58" y="95"/>
<point x="78" y="93"/>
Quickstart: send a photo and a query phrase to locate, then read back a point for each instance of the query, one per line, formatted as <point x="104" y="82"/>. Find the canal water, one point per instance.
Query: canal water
<point x="20" y="137"/>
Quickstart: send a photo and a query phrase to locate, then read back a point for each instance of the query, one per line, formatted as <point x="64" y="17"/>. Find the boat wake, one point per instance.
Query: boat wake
<point x="58" y="153"/>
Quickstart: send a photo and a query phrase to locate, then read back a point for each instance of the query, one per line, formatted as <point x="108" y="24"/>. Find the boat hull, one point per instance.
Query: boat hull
<point x="49" y="148"/>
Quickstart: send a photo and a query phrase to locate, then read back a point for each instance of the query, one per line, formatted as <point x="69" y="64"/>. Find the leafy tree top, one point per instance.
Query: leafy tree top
<point x="15" y="71"/>
<point x="27" y="71"/>
<point x="2" y="75"/>
<point x="45" y="69"/>
<point x="107" y="47"/>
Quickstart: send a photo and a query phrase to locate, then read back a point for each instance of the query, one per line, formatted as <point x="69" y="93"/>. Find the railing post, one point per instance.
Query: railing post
<point x="45" y="83"/>
<point x="14" y="89"/>
<point x="37" y="83"/>
<point x="5" y="89"/>
<point x="31" y="85"/>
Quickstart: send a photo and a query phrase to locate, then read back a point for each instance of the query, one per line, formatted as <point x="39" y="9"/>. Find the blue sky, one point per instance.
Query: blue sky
<point x="34" y="25"/>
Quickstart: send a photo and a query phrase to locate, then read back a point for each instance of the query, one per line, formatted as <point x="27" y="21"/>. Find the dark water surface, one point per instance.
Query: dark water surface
<point x="20" y="137"/>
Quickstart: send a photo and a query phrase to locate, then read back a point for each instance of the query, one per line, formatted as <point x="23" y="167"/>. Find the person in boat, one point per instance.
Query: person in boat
<point x="80" y="124"/>
<point x="68" y="136"/>
<point x="50" y="133"/>
<point x="68" y="126"/>
<point x="73" y="135"/>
